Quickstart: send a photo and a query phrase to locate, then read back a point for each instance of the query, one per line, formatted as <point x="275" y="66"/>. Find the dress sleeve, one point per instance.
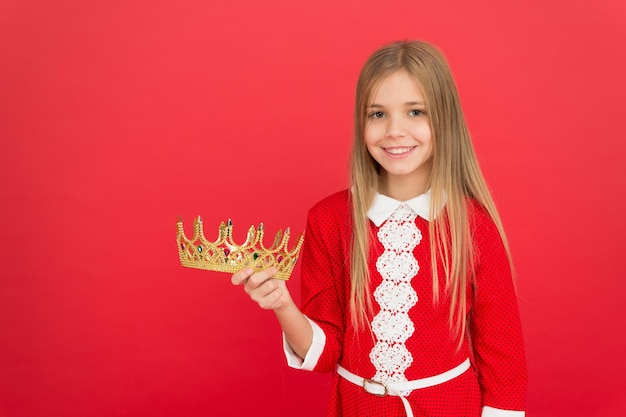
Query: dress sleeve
<point x="314" y="353"/>
<point x="323" y="268"/>
<point x="495" y="327"/>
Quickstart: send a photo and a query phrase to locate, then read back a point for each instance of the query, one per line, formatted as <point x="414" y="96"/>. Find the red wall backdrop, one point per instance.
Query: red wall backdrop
<point x="116" y="117"/>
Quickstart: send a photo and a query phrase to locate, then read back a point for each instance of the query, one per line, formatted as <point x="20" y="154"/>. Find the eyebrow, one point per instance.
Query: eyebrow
<point x="408" y="103"/>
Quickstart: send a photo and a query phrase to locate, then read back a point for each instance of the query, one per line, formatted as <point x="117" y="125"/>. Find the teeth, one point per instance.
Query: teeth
<point x="398" y="151"/>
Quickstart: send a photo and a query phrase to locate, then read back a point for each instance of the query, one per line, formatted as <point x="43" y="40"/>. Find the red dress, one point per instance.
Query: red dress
<point x="417" y="344"/>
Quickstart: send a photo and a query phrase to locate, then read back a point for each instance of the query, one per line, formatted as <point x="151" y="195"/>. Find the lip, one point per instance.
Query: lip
<point x="402" y="154"/>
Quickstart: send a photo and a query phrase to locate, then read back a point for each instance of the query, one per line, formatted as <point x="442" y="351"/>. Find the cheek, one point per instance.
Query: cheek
<point x="429" y="142"/>
<point x="370" y="142"/>
<point x="429" y="155"/>
<point x="423" y="132"/>
<point x="368" y="138"/>
<point x="371" y="149"/>
<point x="372" y="134"/>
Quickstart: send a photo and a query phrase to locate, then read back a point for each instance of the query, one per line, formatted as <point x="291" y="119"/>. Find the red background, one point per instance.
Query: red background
<point x="116" y="117"/>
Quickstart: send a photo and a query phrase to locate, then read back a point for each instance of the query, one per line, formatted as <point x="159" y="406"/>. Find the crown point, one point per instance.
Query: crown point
<point x="287" y="231"/>
<point x="199" y="219"/>
<point x="261" y="226"/>
<point x="230" y="223"/>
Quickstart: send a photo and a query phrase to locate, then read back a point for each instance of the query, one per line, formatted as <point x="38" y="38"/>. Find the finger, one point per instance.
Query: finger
<point x="260" y="277"/>
<point x="272" y="299"/>
<point x="240" y="277"/>
<point x="259" y="290"/>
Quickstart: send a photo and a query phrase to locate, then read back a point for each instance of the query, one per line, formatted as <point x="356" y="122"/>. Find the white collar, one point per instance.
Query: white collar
<point x="383" y="207"/>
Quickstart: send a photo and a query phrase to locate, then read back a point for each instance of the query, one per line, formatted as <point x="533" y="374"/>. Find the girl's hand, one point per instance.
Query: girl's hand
<point x="272" y="294"/>
<point x="269" y="293"/>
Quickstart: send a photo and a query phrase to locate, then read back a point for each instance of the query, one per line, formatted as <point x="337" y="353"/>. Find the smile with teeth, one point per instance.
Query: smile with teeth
<point x="399" y="151"/>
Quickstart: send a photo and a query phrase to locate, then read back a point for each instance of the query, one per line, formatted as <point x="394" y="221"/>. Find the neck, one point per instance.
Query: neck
<point x="402" y="188"/>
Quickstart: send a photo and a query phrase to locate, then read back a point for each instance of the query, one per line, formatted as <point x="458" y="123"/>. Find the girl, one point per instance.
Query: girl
<point x="407" y="293"/>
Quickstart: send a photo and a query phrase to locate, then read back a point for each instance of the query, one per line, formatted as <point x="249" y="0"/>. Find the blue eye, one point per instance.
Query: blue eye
<point x="417" y="112"/>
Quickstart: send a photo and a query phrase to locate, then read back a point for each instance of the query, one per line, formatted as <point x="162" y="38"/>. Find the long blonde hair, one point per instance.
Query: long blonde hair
<point x="455" y="177"/>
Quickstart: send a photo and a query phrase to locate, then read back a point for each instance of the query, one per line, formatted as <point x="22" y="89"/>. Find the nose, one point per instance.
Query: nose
<point x="395" y="128"/>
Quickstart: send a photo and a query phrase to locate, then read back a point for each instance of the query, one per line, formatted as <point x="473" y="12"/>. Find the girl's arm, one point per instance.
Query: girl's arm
<point x="495" y="327"/>
<point x="314" y="332"/>
<point x="272" y="294"/>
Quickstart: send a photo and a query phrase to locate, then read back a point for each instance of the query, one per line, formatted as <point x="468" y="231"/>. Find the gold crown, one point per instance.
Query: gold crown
<point x="224" y="255"/>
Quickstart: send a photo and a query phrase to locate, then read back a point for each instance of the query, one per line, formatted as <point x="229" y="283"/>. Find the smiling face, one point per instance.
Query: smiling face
<point x="398" y="136"/>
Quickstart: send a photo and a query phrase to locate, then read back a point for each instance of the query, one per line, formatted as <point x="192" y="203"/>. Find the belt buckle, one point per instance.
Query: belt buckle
<point x="372" y="382"/>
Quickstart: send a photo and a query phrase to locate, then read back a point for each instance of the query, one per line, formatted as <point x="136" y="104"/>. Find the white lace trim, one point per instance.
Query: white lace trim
<point x="395" y="296"/>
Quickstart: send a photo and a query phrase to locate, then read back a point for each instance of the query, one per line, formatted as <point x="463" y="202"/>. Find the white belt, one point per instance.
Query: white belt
<point x="382" y="389"/>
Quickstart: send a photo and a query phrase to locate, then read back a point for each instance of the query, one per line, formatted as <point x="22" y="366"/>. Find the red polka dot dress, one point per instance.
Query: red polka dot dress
<point x="409" y="362"/>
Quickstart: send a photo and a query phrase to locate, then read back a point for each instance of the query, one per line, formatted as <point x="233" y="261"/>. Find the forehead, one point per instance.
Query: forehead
<point x="397" y="86"/>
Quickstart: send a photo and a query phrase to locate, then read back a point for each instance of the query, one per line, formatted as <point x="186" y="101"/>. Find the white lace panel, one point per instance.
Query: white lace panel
<point x="392" y="326"/>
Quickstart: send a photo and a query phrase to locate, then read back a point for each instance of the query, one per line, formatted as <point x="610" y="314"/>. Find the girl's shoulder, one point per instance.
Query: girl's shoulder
<point x="482" y="225"/>
<point x="337" y="204"/>
<point x="477" y="211"/>
<point x="333" y="212"/>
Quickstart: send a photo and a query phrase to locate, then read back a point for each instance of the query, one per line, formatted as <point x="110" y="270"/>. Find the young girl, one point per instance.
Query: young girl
<point x="407" y="294"/>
